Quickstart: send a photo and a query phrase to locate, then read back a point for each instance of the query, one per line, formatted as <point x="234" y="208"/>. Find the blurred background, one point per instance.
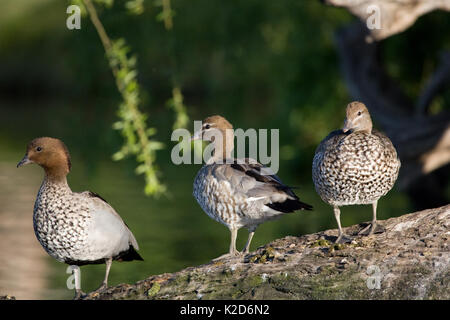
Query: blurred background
<point x="261" y="64"/>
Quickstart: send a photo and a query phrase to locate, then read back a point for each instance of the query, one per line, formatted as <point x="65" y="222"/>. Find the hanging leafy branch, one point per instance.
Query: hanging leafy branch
<point x="132" y="123"/>
<point x="166" y="14"/>
<point x="176" y="102"/>
<point x="135" y="6"/>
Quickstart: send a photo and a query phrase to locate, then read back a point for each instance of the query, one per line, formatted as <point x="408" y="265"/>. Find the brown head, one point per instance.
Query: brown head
<point x="358" y="118"/>
<point x="51" y="154"/>
<point x="213" y="128"/>
<point x="209" y="125"/>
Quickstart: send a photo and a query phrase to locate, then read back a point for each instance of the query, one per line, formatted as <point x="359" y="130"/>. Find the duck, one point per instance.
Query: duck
<point x="238" y="192"/>
<point x="355" y="165"/>
<point x="76" y="228"/>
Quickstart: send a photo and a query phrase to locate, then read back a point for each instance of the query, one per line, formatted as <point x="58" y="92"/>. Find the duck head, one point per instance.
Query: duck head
<point x="50" y="153"/>
<point x="210" y="127"/>
<point x="358" y="118"/>
<point x="217" y="130"/>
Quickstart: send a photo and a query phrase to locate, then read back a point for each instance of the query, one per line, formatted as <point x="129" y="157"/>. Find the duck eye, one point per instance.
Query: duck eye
<point x="359" y="113"/>
<point x="38" y="149"/>
<point x="207" y="126"/>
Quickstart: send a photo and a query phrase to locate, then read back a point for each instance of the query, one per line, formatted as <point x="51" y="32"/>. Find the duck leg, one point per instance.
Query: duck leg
<point x="233" y="252"/>
<point x="342" y="237"/>
<point x="373" y="227"/>
<point x="249" y="240"/>
<point x="104" y="285"/>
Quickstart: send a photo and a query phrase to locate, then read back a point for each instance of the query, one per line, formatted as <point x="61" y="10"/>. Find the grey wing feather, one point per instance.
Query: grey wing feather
<point x="246" y="178"/>
<point x="253" y="180"/>
<point x="98" y="201"/>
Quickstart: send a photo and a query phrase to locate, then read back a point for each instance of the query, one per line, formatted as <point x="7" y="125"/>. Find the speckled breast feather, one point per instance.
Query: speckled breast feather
<point x="354" y="168"/>
<point x="61" y="221"/>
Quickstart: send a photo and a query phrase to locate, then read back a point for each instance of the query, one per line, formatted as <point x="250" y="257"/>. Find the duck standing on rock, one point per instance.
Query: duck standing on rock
<point x="75" y="228"/>
<point x="236" y="192"/>
<point x="355" y="165"/>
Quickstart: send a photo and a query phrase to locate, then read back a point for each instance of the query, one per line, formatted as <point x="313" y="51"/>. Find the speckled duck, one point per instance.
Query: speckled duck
<point x="75" y="228"/>
<point x="355" y="165"/>
<point x="237" y="193"/>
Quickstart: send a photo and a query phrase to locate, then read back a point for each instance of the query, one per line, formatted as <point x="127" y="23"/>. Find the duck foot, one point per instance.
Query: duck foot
<point x="79" y="295"/>
<point x="228" y="255"/>
<point x="343" y="238"/>
<point x="372" y="229"/>
<point x="101" y="288"/>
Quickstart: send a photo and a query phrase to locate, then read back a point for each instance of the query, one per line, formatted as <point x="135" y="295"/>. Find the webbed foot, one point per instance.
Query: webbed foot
<point x="343" y="238"/>
<point x="79" y="295"/>
<point x="102" y="287"/>
<point x="228" y="255"/>
<point x="372" y="228"/>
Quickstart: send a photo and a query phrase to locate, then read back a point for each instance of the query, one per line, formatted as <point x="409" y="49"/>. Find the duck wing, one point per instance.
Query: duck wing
<point x="110" y="218"/>
<point x="257" y="183"/>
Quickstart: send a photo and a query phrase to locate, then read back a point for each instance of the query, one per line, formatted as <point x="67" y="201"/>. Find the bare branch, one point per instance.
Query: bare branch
<point x="438" y="82"/>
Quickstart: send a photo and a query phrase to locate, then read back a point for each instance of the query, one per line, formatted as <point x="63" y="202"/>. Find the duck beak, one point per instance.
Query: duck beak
<point x="24" y="161"/>
<point x="347" y="126"/>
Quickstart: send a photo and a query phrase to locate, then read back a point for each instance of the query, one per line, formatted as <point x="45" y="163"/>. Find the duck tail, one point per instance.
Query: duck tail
<point x="130" y="255"/>
<point x="290" y="205"/>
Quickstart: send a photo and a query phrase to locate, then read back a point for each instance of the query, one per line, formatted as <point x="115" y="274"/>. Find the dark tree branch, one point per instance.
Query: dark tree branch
<point x="438" y="82"/>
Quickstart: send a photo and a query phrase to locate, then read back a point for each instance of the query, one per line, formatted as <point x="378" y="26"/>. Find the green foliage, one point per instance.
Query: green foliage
<point x="176" y="103"/>
<point x="80" y="4"/>
<point x="132" y="123"/>
<point x="167" y="14"/>
<point x="135" y="6"/>
<point x="106" y="3"/>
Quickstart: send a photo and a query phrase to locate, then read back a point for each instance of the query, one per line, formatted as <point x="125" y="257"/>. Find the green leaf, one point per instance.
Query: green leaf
<point x="135" y="6"/>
